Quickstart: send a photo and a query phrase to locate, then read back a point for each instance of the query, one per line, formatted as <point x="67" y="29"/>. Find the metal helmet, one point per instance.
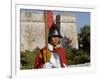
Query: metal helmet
<point x="54" y="31"/>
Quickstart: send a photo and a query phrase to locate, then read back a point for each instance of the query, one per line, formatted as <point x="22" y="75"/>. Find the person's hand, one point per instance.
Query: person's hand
<point x="64" y="65"/>
<point x="47" y="65"/>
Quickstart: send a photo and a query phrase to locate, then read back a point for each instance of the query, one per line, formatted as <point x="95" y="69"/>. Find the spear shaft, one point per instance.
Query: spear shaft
<point x="46" y="33"/>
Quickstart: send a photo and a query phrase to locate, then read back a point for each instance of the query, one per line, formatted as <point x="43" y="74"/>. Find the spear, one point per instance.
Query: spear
<point x="46" y="35"/>
<point x="48" y="20"/>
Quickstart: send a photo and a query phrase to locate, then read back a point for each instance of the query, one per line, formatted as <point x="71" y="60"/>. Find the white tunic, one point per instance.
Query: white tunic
<point x="54" y="60"/>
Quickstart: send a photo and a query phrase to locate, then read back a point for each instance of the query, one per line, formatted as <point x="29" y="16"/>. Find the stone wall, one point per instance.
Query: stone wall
<point x="32" y="31"/>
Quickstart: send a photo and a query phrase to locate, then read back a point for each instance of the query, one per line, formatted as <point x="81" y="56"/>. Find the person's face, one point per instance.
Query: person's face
<point x="55" y="40"/>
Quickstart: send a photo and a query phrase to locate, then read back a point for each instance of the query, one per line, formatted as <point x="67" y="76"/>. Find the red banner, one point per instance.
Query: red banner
<point x="49" y="18"/>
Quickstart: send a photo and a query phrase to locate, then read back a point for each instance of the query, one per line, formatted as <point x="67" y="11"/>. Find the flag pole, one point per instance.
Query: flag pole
<point x="46" y="34"/>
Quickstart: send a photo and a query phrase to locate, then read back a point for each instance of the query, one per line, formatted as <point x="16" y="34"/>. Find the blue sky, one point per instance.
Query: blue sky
<point x="82" y="18"/>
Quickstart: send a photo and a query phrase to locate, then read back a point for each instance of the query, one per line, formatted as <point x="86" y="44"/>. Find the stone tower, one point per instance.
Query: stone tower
<point x="68" y="28"/>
